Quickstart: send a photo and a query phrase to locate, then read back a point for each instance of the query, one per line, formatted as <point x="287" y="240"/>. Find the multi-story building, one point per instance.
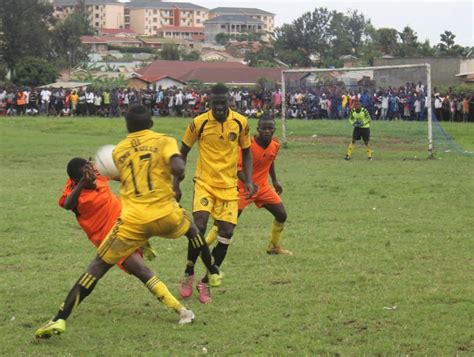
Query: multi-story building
<point x="231" y="25"/>
<point x="266" y="17"/>
<point x="146" y="17"/>
<point x="101" y="13"/>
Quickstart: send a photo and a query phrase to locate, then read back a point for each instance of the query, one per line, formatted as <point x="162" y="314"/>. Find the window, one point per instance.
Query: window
<point x="264" y="18"/>
<point x="223" y="27"/>
<point x="259" y="27"/>
<point x="171" y="21"/>
<point x="96" y="24"/>
<point x="198" y="21"/>
<point x="198" y="13"/>
<point x="155" y="19"/>
<point x="97" y="7"/>
<point x="155" y="12"/>
<point x="96" y="16"/>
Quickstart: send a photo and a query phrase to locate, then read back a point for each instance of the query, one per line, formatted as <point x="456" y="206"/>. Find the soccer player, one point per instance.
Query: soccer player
<point x="220" y="133"/>
<point x="264" y="150"/>
<point x="360" y="119"/>
<point x="146" y="162"/>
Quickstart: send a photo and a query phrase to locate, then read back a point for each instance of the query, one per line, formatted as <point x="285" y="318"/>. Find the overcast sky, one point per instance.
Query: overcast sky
<point x="428" y="18"/>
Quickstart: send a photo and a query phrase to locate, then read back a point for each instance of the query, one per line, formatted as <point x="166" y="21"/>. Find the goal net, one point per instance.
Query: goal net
<point x="399" y="93"/>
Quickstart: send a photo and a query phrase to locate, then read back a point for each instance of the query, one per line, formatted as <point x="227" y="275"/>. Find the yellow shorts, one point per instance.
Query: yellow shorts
<point x="126" y="237"/>
<point x="221" y="203"/>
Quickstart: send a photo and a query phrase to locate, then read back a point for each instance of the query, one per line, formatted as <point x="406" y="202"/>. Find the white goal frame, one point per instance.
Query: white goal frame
<point x="427" y="67"/>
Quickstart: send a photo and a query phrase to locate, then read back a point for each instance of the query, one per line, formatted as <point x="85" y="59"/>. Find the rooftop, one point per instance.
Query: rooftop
<point x="163" y="5"/>
<point x="240" y="10"/>
<point x="235" y="19"/>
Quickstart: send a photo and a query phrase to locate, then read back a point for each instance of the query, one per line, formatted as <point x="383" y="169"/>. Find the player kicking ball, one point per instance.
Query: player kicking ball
<point x="360" y="119"/>
<point x="147" y="162"/>
<point x="264" y="150"/>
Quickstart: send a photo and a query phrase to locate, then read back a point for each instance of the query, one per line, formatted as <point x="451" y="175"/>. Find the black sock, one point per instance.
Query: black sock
<point x="219" y="252"/>
<point x="79" y="292"/>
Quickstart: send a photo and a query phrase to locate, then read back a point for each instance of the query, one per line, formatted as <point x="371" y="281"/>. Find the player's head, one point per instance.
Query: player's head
<point x="219" y="101"/>
<point x="138" y="118"/>
<point x="75" y="170"/>
<point x="266" y="127"/>
<point x="357" y="107"/>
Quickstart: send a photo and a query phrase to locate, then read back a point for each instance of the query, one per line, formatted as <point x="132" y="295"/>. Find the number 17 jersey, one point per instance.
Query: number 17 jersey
<point x="146" y="190"/>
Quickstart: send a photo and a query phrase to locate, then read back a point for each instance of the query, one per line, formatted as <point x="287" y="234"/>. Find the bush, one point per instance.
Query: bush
<point x="34" y="72"/>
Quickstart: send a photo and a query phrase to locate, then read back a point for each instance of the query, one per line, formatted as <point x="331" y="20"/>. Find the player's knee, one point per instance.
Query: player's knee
<point x="226" y="232"/>
<point x="281" y="216"/>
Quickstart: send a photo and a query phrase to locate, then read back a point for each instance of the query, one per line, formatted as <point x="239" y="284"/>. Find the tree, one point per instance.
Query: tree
<point x="447" y="46"/>
<point x="191" y="56"/>
<point x="170" y="51"/>
<point x="67" y="34"/>
<point x="24" y="28"/>
<point x="222" y="38"/>
<point x="34" y="72"/>
<point x="349" y="33"/>
<point x="410" y="46"/>
<point x="264" y="57"/>
<point x="308" y="35"/>
<point x="387" y="40"/>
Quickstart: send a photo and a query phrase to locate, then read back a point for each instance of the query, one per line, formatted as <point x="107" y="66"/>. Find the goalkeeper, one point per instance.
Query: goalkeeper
<point x="360" y="119"/>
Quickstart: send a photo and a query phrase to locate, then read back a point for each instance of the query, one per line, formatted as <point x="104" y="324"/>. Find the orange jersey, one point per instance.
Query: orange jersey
<point x="97" y="210"/>
<point x="262" y="160"/>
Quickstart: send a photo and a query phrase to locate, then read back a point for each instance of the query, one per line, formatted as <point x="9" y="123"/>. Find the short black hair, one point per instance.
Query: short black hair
<point x="74" y="168"/>
<point x="265" y="117"/>
<point x="219" y="89"/>
<point x="138" y="118"/>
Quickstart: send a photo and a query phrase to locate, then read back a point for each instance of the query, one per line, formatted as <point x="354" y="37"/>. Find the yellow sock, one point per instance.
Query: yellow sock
<point x="277" y="229"/>
<point x="349" y="149"/>
<point x="159" y="289"/>
<point x="369" y="151"/>
<point x="211" y="236"/>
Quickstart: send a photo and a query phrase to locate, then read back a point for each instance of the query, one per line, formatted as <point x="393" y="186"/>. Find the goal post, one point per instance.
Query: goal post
<point x="286" y="72"/>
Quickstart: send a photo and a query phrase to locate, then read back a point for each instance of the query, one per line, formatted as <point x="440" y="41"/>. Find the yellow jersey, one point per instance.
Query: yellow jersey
<point x="219" y="145"/>
<point x="146" y="189"/>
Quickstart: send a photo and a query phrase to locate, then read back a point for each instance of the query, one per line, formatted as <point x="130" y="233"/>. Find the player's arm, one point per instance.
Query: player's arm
<point x="248" y="171"/>
<point x="367" y="118"/>
<point x="179" y="163"/>
<point x="275" y="182"/>
<point x="88" y="177"/>
<point x="351" y="117"/>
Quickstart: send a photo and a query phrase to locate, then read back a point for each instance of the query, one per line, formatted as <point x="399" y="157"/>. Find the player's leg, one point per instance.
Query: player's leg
<point x="279" y="213"/>
<point x="81" y="289"/>
<point x="136" y="266"/>
<point x="366" y="139"/>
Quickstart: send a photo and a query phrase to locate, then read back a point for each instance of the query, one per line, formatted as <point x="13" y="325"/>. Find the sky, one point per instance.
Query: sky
<point x="428" y="18"/>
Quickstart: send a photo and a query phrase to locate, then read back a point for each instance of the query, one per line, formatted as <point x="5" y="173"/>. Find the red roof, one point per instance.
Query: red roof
<point x="208" y="72"/>
<point x="108" y="39"/>
<point x="108" y="31"/>
<point x="182" y="29"/>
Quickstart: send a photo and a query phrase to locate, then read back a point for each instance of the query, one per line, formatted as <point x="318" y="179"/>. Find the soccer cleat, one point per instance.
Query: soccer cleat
<point x="51" y="328"/>
<point x="278" y="251"/>
<point x="204" y="293"/>
<point x="347" y="157"/>
<point x="215" y="280"/>
<point x="370" y="158"/>
<point x="148" y="251"/>
<point x="186" y="316"/>
<point x="186" y="289"/>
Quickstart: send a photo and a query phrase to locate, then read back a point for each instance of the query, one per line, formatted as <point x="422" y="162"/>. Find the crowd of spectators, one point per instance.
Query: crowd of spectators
<point x="407" y="102"/>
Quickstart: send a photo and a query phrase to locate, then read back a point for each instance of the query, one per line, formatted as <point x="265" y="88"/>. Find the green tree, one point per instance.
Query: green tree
<point x="24" y="29"/>
<point x="264" y="57"/>
<point x="34" y="72"/>
<point x="409" y="46"/>
<point x="447" y="45"/>
<point x="67" y="37"/>
<point x="387" y="41"/>
<point x="191" y="56"/>
<point x="222" y="38"/>
<point x="309" y="35"/>
<point x="170" y="51"/>
<point x="349" y="32"/>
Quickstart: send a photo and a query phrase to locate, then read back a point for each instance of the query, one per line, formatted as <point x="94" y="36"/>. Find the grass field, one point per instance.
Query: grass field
<point x="383" y="251"/>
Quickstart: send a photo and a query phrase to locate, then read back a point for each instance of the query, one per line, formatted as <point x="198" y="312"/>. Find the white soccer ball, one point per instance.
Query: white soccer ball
<point x="105" y="163"/>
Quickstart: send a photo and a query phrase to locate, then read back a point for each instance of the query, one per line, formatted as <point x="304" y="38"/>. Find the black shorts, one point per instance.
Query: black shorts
<point x="359" y="133"/>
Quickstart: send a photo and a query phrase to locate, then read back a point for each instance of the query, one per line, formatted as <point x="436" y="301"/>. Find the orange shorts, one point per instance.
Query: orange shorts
<point x="265" y="195"/>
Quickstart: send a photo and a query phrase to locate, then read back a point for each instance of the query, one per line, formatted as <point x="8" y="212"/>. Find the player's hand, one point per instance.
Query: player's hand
<point x="88" y="174"/>
<point x="250" y="189"/>
<point x="278" y="188"/>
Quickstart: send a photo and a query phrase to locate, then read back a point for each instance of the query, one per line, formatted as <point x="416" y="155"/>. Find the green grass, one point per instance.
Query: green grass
<point x="392" y="233"/>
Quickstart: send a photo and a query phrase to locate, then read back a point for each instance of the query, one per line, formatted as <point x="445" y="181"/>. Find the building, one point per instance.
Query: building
<point x="101" y="13"/>
<point x="266" y="17"/>
<point x="100" y="44"/>
<point x="444" y="70"/>
<point x="193" y="33"/>
<point x="147" y="17"/>
<point x="230" y="25"/>
<point x="231" y="73"/>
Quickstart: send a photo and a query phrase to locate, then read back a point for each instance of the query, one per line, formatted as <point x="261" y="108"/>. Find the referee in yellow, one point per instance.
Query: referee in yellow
<point x="360" y="119"/>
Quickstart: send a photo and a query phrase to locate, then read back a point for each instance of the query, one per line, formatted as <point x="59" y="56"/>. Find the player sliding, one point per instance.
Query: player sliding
<point x="264" y="150"/>
<point x="147" y="161"/>
<point x="360" y="119"/>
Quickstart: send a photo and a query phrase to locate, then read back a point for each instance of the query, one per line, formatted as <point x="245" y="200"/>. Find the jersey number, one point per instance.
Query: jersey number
<point x="145" y="163"/>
